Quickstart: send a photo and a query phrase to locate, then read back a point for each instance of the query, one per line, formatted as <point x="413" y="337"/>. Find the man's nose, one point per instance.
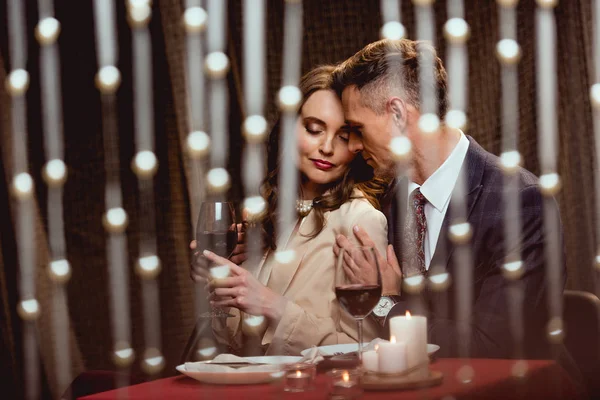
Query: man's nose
<point x="355" y="144"/>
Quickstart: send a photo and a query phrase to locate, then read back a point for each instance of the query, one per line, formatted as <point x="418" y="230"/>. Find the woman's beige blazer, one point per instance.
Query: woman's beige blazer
<point x="313" y="316"/>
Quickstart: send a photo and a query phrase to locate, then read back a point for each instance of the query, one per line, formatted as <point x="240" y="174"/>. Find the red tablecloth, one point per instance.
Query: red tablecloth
<point x="492" y="380"/>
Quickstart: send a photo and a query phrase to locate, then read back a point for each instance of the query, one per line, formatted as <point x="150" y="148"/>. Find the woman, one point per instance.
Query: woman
<point x="297" y="298"/>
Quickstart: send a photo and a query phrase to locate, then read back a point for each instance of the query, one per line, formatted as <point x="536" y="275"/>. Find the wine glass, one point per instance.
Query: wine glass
<point x="358" y="298"/>
<point x="216" y="231"/>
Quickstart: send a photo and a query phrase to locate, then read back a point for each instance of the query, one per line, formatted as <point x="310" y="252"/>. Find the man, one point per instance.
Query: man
<point x="382" y="101"/>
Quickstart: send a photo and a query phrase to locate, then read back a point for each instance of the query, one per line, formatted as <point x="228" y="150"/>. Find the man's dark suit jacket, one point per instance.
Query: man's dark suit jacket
<point x="491" y="336"/>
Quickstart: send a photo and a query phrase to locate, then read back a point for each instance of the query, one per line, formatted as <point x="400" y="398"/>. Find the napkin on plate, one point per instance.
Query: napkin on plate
<point x="203" y="366"/>
<point x="312" y="357"/>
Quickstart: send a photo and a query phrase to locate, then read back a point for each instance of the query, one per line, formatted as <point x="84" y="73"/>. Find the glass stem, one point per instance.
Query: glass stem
<point x="359" y="325"/>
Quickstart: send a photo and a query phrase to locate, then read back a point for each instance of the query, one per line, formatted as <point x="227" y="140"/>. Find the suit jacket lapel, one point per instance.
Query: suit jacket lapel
<point x="475" y="164"/>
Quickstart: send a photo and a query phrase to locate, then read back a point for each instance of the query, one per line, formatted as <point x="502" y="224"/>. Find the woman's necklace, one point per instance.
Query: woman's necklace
<point x="303" y="207"/>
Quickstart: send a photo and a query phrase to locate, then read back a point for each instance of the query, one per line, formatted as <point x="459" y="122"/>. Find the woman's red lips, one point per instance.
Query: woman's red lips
<point x="322" y="164"/>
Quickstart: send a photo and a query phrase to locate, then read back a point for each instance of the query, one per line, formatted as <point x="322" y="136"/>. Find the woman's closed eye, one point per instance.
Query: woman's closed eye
<point x="313" y="129"/>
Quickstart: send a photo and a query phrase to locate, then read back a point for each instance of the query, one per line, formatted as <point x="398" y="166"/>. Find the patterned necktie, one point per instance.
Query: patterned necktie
<point x="414" y="235"/>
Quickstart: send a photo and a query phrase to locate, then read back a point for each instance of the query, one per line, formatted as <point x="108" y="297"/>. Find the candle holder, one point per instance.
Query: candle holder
<point x="299" y="377"/>
<point x="344" y="384"/>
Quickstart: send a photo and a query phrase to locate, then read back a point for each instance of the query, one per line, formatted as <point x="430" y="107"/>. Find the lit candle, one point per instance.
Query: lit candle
<point x="413" y="332"/>
<point x="344" y="384"/>
<point x="392" y="356"/>
<point x="370" y="360"/>
<point x="300" y="378"/>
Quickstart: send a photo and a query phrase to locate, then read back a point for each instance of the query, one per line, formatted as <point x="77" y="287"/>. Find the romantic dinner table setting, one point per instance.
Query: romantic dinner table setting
<point x="491" y="379"/>
<point x="407" y="369"/>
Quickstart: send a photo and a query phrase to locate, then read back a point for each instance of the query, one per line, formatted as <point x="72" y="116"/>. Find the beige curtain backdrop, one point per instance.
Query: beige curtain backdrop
<point x="334" y="30"/>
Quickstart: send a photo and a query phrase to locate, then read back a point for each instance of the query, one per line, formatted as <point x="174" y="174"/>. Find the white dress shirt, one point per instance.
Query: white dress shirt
<point x="437" y="189"/>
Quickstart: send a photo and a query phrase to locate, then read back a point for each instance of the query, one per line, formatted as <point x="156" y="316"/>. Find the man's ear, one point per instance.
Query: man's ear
<point x="397" y="107"/>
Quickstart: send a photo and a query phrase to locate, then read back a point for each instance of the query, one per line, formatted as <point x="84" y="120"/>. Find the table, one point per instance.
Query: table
<point x="492" y="380"/>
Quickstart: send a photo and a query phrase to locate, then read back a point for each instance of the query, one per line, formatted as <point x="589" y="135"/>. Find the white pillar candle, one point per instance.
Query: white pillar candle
<point x="370" y="360"/>
<point x="411" y="330"/>
<point x="392" y="357"/>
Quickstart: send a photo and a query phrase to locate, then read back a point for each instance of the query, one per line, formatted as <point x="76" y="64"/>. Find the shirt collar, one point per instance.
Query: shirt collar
<point x="438" y="188"/>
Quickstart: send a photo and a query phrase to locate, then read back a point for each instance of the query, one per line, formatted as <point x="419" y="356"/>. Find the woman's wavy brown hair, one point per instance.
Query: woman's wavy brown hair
<point x="359" y="175"/>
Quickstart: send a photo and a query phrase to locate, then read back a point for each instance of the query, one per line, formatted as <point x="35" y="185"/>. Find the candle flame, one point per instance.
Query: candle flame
<point x="298" y="374"/>
<point x="408" y="314"/>
<point x="345" y="376"/>
<point x="393" y="339"/>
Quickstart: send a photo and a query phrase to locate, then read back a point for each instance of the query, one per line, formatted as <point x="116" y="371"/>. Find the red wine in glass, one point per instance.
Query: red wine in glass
<point x="359" y="300"/>
<point x="220" y="243"/>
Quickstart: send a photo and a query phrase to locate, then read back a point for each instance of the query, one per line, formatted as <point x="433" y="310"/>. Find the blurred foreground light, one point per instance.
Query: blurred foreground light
<point x="115" y="220"/>
<point x="460" y="233"/>
<point x="148" y="267"/>
<point x="255" y="206"/>
<point x="108" y="79"/>
<point x="194" y="19"/>
<point x="289" y="98"/>
<point x="439" y="281"/>
<point x="401" y="148"/>
<point x="413" y="284"/>
<point x="197" y="144"/>
<point x="59" y="271"/>
<point x="17" y="82"/>
<point x="47" y="31"/>
<point x="510" y="161"/>
<point x="513" y="269"/>
<point x="456" y="30"/>
<point x="555" y="330"/>
<point x="220" y="272"/>
<point x="550" y="184"/>
<point x="55" y="173"/>
<point x="508" y="51"/>
<point x="218" y="180"/>
<point x="255" y="129"/>
<point x="153" y="361"/>
<point x="393" y="30"/>
<point x="216" y="65"/>
<point x="429" y="123"/>
<point x="22" y="186"/>
<point x="123" y="355"/>
<point x="285" y="256"/>
<point x="145" y="164"/>
<point x="465" y="374"/>
<point x="456" y="119"/>
<point x="519" y="369"/>
<point x="29" y="310"/>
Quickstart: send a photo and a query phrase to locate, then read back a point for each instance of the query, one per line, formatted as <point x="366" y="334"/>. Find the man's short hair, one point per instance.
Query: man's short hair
<point x="377" y="73"/>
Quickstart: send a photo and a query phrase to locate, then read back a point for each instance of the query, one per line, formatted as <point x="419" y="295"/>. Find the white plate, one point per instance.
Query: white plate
<point x="242" y="376"/>
<point x="349" y="348"/>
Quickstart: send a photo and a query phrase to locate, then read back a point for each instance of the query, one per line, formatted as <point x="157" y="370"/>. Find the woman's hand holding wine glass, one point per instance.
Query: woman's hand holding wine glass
<point x="217" y="232"/>
<point x="244" y="292"/>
